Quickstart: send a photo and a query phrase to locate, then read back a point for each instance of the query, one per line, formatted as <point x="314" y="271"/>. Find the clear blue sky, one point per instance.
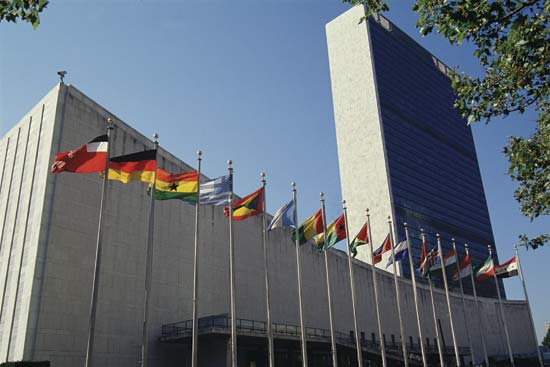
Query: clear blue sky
<point x="242" y="80"/>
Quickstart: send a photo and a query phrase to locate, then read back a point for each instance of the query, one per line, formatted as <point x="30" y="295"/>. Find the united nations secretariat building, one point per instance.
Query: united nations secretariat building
<point x="392" y="104"/>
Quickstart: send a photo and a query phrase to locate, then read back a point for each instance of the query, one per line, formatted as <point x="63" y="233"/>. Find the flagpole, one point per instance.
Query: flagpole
<point x="375" y="287"/>
<point x="401" y="329"/>
<point x="453" y="334"/>
<point x="437" y="334"/>
<point x="329" y="295"/>
<point x="463" y="304"/>
<point x="99" y="242"/>
<point x="501" y="309"/>
<point x="479" y="318"/>
<point x="415" y="294"/>
<point x="149" y="265"/>
<point x="265" y="239"/>
<point x="352" y="285"/>
<point x="195" y="331"/>
<point x="299" y="275"/>
<point x="232" y="273"/>
<point x="528" y="306"/>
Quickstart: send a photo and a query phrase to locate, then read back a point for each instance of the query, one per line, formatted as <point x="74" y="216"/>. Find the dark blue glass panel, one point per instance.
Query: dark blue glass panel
<point x="432" y="161"/>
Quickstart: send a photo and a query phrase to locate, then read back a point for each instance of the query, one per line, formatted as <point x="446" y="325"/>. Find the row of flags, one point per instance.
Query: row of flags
<point x="506" y="270"/>
<point x="430" y="264"/>
<point x="141" y="166"/>
<point x="186" y="186"/>
<point x="162" y="185"/>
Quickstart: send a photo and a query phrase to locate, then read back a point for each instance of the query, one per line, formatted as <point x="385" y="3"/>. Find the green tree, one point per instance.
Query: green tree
<point x="26" y="10"/>
<point x="546" y="340"/>
<point x="512" y="42"/>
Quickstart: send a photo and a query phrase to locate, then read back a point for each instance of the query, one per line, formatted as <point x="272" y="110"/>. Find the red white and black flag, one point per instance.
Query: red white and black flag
<point x="88" y="158"/>
<point x="508" y="269"/>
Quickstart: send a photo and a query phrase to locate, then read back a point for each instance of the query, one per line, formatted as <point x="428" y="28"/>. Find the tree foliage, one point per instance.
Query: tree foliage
<point x="26" y="10"/>
<point x="530" y="166"/>
<point x="546" y="340"/>
<point x="512" y="42"/>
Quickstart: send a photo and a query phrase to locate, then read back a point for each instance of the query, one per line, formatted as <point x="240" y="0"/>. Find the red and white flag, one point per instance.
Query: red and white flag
<point x="88" y="158"/>
<point x="465" y="269"/>
<point x="385" y="247"/>
<point x="508" y="269"/>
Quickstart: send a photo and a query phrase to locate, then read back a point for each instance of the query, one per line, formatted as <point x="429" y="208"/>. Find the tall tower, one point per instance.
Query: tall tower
<point x="403" y="149"/>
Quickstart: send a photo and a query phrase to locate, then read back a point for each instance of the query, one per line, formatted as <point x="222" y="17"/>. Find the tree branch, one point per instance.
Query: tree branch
<point x="515" y="11"/>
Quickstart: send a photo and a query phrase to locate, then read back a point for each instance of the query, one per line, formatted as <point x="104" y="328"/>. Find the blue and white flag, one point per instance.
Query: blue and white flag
<point x="216" y="191"/>
<point x="284" y="217"/>
<point x="401" y="251"/>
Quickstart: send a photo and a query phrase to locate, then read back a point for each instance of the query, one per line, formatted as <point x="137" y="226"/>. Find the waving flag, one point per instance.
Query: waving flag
<point x="88" y="158"/>
<point x="423" y="267"/>
<point x="427" y="259"/>
<point x="361" y="239"/>
<point x="485" y="270"/>
<point x="401" y="251"/>
<point x="385" y="247"/>
<point x="336" y="231"/>
<point x="216" y="191"/>
<point x="508" y="269"/>
<point x="138" y="166"/>
<point x="465" y="269"/>
<point x="311" y="227"/>
<point x="284" y="217"/>
<point x="248" y="206"/>
<point x="450" y="261"/>
<point x="183" y="186"/>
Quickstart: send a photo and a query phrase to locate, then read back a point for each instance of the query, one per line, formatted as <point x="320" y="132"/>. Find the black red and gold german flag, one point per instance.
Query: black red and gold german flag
<point x="134" y="167"/>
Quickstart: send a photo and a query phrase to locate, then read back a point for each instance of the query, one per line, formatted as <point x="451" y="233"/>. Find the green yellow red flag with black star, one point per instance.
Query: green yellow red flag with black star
<point x="336" y="231"/>
<point x="311" y="227"/>
<point x="361" y="239"/>
<point x="248" y="206"/>
<point x="183" y="186"/>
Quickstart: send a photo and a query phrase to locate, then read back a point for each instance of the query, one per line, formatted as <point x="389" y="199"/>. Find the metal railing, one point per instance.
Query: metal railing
<point x="223" y="323"/>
